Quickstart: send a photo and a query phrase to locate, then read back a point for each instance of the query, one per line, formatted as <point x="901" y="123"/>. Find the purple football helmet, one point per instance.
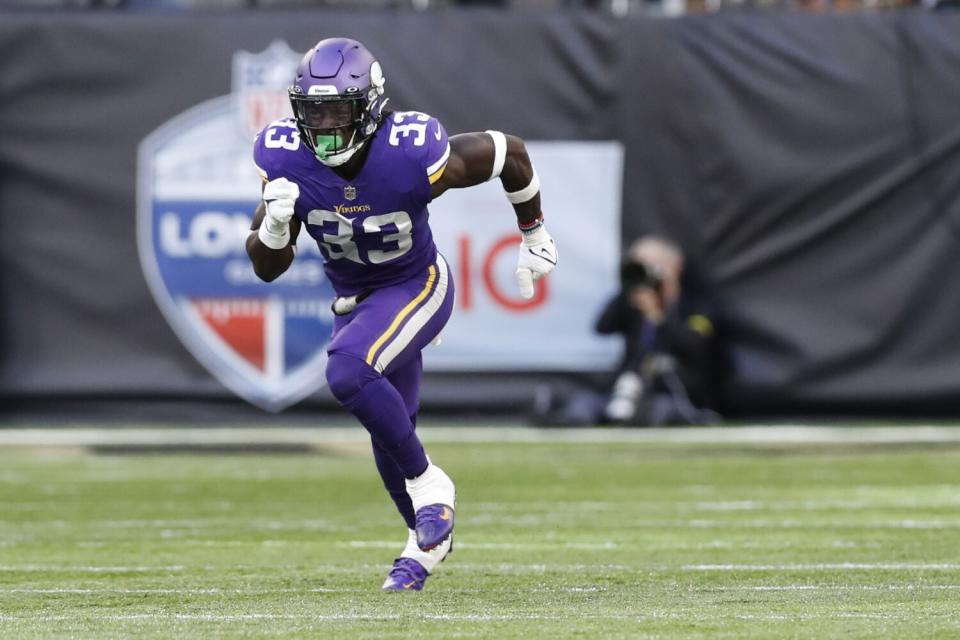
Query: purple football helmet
<point x="337" y="98"/>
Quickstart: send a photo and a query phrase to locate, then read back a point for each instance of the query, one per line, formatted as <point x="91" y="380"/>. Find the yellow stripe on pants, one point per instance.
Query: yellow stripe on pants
<point x="431" y="277"/>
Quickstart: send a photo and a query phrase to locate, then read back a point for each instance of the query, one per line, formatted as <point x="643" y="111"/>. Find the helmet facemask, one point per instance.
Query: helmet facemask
<point x="331" y="126"/>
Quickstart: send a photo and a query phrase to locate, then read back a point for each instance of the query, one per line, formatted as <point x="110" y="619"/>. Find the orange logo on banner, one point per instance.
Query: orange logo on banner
<point x="514" y="304"/>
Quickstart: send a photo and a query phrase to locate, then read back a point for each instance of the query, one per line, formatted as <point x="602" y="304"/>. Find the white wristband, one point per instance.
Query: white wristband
<point x="537" y="236"/>
<point x="273" y="240"/>
<point x="499" y="152"/>
<point x="527" y="193"/>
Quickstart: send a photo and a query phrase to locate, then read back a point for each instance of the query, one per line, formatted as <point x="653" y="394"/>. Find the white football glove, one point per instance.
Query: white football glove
<point x="279" y="198"/>
<point x="538" y="257"/>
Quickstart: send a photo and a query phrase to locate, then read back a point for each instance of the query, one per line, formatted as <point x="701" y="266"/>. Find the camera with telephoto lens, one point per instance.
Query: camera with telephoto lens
<point x="637" y="274"/>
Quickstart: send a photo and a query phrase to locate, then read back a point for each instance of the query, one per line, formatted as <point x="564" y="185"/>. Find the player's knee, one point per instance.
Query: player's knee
<point x="347" y="375"/>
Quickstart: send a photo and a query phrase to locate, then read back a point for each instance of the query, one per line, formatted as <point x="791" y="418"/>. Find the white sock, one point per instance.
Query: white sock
<point x="433" y="486"/>
<point x="428" y="559"/>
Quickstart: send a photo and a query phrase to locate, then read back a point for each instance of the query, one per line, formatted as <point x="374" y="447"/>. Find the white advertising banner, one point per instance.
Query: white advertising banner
<point x="492" y="327"/>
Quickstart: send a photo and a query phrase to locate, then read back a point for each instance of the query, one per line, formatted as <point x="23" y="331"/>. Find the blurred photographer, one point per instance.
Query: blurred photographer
<point x="666" y="315"/>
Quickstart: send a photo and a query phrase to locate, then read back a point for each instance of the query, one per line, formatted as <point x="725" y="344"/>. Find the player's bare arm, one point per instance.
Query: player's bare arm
<point x="271" y="254"/>
<point x="472" y="157"/>
<point x="478" y="157"/>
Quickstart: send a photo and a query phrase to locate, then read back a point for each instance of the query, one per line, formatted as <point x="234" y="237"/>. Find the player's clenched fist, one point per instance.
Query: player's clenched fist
<point x="279" y="198"/>
<point x="538" y="257"/>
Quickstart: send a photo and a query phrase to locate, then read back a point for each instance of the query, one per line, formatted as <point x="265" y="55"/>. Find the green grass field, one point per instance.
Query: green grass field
<point x="554" y="540"/>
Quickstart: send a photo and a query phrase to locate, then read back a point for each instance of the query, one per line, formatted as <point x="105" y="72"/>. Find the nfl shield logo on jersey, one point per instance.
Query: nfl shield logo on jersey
<point x="349" y="193"/>
<point x="197" y="190"/>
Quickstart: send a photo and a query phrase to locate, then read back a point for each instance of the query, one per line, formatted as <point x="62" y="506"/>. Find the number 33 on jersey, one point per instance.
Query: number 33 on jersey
<point x="372" y="229"/>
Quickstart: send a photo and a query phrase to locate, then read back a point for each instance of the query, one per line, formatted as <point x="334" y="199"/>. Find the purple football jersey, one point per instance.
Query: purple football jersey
<point x="373" y="230"/>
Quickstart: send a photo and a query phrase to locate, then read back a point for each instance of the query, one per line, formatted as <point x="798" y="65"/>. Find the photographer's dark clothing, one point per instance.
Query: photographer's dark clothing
<point x="687" y="336"/>
<point x="669" y="375"/>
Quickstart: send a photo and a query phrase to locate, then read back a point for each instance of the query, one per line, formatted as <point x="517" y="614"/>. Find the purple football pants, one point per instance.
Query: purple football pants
<point x="374" y="368"/>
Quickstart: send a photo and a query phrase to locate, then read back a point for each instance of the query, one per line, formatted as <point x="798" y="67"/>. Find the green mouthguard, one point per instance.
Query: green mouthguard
<point x="325" y="144"/>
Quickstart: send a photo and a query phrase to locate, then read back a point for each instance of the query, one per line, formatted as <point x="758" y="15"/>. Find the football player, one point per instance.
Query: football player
<point x="358" y="179"/>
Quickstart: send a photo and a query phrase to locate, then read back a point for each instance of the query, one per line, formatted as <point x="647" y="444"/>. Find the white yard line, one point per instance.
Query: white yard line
<point x="211" y="436"/>
<point x="797" y="524"/>
<point x="512" y="567"/>
<point x="68" y="568"/>
<point x="875" y="497"/>
<point x="233" y="617"/>
<point x="466" y="617"/>
<point x="836" y="587"/>
<point x="88" y="568"/>
<point x="193" y="591"/>
<point x="196" y="527"/>
<point x="393" y="544"/>
<point x="838" y="566"/>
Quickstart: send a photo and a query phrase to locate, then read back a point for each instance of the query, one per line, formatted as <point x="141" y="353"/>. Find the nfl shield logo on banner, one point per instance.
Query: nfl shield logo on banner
<point x="260" y="82"/>
<point x="197" y="190"/>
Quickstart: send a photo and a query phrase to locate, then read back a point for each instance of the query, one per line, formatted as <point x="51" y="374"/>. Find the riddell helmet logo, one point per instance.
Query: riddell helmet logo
<point x="195" y="199"/>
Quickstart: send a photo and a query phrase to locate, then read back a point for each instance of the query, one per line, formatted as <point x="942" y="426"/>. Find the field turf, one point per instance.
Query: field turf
<point x="619" y="539"/>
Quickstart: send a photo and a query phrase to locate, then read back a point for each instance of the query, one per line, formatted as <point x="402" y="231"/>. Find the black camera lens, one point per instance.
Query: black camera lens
<point x="637" y="274"/>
